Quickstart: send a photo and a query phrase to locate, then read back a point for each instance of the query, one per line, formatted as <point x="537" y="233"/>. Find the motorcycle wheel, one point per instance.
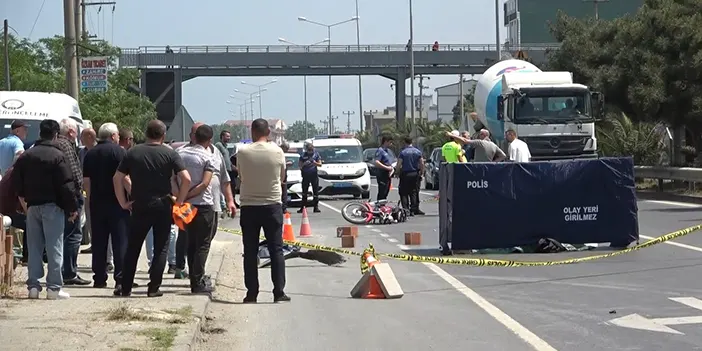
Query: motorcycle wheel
<point x="357" y="212"/>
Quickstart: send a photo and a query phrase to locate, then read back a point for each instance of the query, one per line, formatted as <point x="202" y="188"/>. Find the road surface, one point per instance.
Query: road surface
<point x="472" y="308"/>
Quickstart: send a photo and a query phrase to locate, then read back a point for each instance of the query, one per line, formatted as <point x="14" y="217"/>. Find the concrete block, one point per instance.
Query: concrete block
<point x="413" y="238"/>
<point x="361" y="286"/>
<point x="346" y="231"/>
<point x="348" y="241"/>
<point x="388" y="283"/>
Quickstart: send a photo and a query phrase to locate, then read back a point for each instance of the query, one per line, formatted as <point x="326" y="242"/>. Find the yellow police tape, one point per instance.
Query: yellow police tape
<point x="486" y="262"/>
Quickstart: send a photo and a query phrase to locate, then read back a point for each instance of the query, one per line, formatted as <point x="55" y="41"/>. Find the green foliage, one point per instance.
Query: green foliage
<point x="39" y="66"/>
<point x="618" y="136"/>
<point x="467" y="106"/>
<point x="430" y="134"/>
<point x="648" y="65"/>
<point x="296" y="131"/>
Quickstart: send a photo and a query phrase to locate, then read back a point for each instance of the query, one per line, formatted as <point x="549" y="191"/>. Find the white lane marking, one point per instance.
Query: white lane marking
<point x="421" y="192"/>
<point x="672" y="203"/>
<point x="522" y="332"/>
<point x="673" y="243"/>
<point x="530" y="338"/>
<point x="392" y="240"/>
<point x="369" y="226"/>
<point x="330" y="207"/>
<point x="384" y="235"/>
<point x="376" y="230"/>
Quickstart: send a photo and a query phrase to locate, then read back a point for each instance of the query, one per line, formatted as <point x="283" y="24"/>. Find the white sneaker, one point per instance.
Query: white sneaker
<point x="33" y="293"/>
<point x="57" y="295"/>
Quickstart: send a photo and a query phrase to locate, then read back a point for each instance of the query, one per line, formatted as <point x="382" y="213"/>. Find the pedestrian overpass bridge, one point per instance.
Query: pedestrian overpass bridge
<point x="163" y="71"/>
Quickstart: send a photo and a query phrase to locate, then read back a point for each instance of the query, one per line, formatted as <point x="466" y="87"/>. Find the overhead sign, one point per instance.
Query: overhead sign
<point x="93" y="74"/>
<point x="636" y="321"/>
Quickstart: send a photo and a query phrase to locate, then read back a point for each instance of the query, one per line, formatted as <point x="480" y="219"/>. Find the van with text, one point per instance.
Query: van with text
<point x="34" y="107"/>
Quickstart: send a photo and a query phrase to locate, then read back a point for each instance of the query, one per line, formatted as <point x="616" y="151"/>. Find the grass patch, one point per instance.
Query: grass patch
<point x="125" y="313"/>
<point x="181" y="315"/>
<point x="160" y="339"/>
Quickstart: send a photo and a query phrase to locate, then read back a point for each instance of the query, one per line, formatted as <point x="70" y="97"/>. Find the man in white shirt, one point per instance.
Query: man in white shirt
<point x="518" y="151"/>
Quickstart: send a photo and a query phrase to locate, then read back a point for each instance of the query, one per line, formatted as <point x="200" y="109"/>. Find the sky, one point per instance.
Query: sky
<point x="137" y="23"/>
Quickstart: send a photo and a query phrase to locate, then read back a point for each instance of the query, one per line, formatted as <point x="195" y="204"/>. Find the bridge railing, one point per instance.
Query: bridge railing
<point x="688" y="174"/>
<point x="204" y="49"/>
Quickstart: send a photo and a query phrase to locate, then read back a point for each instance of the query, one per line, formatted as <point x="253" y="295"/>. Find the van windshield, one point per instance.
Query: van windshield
<point x="32" y="129"/>
<point x="340" y="154"/>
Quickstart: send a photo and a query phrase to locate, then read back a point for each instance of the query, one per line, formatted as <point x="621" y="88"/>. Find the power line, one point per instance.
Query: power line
<point x="37" y="18"/>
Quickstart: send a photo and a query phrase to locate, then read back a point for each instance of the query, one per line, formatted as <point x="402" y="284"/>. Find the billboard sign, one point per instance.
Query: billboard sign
<point x="93" y="74"/>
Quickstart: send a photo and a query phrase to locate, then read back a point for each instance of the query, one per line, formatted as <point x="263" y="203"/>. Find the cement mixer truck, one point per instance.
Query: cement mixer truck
<point x="549" y="112"/>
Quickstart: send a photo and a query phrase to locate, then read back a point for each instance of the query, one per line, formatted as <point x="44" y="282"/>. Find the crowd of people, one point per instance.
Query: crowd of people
<point x="172" y="199"/>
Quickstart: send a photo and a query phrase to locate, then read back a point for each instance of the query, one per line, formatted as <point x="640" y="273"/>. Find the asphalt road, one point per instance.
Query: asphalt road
<point x="478" y="308"/>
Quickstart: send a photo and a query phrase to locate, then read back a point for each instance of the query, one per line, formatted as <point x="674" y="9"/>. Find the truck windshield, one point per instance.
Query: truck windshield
<point x="553" y="106"/>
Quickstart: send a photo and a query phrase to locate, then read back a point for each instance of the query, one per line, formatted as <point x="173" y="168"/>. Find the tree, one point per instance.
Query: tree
<point x="648" y="65"/>
<point x="468" y="106"/>
<point x="618" y="136"/>
<point x="296" y="131"/>
<point x="38" y="66"/>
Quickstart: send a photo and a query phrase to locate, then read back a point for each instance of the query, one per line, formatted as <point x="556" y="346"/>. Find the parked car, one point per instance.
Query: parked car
<point x="431" y="176"/>
<point x="369" y="159"/>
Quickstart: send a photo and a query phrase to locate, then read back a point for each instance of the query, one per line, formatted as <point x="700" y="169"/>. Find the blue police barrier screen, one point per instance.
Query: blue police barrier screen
<point x="500" y="205"/>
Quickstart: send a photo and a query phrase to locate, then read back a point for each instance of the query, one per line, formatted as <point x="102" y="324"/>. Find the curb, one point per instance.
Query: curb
<point x="662" y="196"/>
<point x="187" y="340"/>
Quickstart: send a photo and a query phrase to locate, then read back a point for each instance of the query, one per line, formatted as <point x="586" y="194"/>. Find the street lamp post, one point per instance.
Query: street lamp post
<point x="245" y="112"/>
<point x="411" y="49"/>
<point x="497" y="30"/>
<point x="260" y="93"/>
<point x="329" y="27"/>
<point x="360" y="91"/>
<point x="251" y="97"/>
<point x="282" y="40"/>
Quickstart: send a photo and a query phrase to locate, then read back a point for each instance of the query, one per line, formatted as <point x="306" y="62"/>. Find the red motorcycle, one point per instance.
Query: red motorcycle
<point x="374" y="212"/>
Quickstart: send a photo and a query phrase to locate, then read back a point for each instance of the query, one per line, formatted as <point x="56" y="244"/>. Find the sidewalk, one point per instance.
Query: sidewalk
<point x="93" y="319"/>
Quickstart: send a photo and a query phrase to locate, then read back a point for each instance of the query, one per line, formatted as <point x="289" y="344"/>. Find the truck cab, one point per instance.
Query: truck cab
<point x="553" y="115"/>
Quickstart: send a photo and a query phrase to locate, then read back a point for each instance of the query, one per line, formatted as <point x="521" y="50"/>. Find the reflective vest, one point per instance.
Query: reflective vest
<point x="183" y="215"/>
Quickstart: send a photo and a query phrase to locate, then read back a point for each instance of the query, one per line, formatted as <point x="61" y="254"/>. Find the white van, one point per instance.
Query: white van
<point x="34" y="107"/>
<point x="343" y="171"/>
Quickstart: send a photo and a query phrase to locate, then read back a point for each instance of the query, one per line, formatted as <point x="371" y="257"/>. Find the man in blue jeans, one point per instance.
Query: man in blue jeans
<point x="72" y="234"/>
<point x="48" y="196"/>
<point x="172" y="238"/>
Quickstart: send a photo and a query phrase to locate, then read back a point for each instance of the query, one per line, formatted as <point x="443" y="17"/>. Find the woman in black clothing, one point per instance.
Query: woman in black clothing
<point x="234" y="176"/>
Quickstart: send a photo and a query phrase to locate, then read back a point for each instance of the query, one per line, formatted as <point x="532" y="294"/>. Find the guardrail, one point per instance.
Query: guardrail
<point x="669" y="173"/>
<point x="200" y="49"/>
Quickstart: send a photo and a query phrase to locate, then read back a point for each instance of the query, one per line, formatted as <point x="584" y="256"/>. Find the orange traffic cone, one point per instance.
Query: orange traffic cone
<point x="305" y="229"/>
<point x="288" y="231"/>
<point x="374" y="289"/>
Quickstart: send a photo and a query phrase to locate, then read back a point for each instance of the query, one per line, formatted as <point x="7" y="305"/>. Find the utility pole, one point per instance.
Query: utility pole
<point x="78" y="18"/>
<point x="421" y="94"/>
<point x="332" y="129"/>
<point x="596" y="4"/>
<point x="84" y="6"/>
<point x="6" y="45"/>
<point x="461" y="97"/>
<point x="348" y="120"/>
<point x="325" y="123"/>
<point x="69" y="45"/>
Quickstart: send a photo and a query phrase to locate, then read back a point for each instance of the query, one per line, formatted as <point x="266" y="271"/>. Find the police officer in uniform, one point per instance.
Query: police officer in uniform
<point x="411" y="165"/>
<point x="309" y="161"/>
<point x="382" y="161"/>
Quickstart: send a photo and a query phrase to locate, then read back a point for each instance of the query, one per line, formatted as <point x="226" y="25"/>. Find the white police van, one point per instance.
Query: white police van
<point x="34" y="107"/>
<point x="343" y="170"/>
